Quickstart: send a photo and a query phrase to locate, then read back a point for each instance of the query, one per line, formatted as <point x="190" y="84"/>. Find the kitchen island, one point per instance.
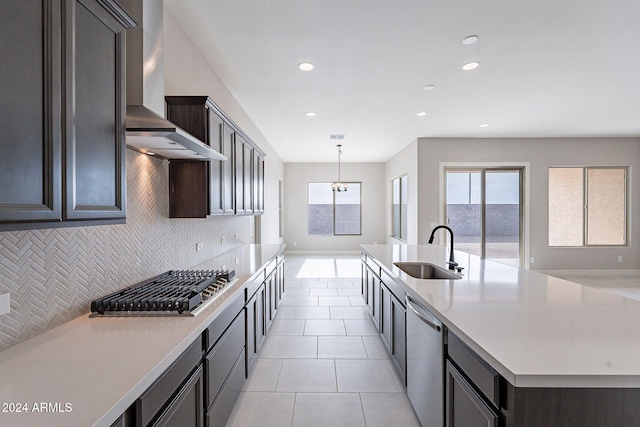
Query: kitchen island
<point x="91" y="370"/>
<point x="553" y="343"/>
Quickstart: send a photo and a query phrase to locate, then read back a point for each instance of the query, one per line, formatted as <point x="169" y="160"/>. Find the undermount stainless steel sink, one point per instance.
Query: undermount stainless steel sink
<point x="425" y="270"/>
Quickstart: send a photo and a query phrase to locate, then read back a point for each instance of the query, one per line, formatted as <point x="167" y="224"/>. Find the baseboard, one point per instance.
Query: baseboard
<point x="322" y="253"/>
<point x="608" y="272"/>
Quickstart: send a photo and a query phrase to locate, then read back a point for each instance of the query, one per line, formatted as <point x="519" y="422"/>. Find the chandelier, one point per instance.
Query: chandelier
<point x="339" y="186"/>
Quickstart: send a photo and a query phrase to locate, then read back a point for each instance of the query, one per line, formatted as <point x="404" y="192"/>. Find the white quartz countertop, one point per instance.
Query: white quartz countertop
<point x="535" y="330"/>
<point x="90" y="370"/>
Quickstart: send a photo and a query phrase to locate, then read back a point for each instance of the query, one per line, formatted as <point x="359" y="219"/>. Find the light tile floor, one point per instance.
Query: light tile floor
<point x="322" y="363"/>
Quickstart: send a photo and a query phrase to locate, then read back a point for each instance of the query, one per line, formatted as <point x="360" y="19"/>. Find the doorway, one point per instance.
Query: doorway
<point x="484" y="209"/>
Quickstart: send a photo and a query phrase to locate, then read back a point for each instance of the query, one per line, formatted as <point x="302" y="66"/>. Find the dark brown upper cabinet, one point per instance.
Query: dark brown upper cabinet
<point x="62" y="159"/>
<point x="199" y="189"/>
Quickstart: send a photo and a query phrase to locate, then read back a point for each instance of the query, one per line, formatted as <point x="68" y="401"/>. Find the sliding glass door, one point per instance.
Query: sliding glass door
<point x="484" y="210"/>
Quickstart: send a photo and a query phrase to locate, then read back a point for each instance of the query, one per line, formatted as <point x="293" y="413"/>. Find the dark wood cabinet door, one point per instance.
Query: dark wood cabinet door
<point x="271" y="293"/>
<point x="398" y="337"/>
<point x="260" y="180"/>
<point x="248" y="179"/>
<point x="187" y="189"/>
<point x="228" y="168"/>
<point x="251" y="310"/>
<point x="385" y="317"/>
<point x="255" y="187"/>
<point x="261" y="320"/>
<point x="30" y="115"/>
<point x="376" y="302"/>
<point x="216" y="177"/>
<point x="94" y="129"/>
<point x="373" y="297"/>
<point x="369" y="278"/>
<point x="281" y="285"/>
<point x="239" y="153"/>
<point x="464" y="406"/>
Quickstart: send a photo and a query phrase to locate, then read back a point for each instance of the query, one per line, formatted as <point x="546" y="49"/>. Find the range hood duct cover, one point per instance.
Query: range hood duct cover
<point x="146" y="130"/>
<point x="151" y="134"/>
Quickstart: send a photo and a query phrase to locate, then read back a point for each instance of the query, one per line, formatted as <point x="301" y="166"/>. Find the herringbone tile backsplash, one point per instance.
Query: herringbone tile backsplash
<point x="54" y="274"/>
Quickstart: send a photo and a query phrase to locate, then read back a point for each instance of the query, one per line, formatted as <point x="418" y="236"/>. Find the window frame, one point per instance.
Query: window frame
<point x="333" y="210"/>
<point x="400" y="211"/>
<point x="585" y="207"/>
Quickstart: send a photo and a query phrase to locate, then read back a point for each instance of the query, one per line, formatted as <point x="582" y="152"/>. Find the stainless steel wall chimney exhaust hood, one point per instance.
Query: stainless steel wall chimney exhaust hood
<point x="147" y="131"/>
<point x="150" y="134"/>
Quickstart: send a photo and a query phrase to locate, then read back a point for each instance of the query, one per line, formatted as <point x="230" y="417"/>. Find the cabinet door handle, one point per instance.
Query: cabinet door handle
<point x="422" y="317"/>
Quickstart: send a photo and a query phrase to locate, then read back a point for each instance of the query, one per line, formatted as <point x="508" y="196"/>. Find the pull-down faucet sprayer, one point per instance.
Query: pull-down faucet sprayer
<point x="452" y="263"/>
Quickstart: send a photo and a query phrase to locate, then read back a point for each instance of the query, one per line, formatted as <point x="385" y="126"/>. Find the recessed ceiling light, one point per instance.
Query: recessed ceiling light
<point x="484" y="125"/>
<point x="306" y="66"/>
<point x="470" y="40"/>
<point x="421" y="113"/>
<point x="310" y="114"/>
<point x="429" y="87"/>
<point x="470" y="66"/>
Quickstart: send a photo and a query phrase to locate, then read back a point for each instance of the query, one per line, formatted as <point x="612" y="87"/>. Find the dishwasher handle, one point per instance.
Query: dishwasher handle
<point x="422" y="317"/>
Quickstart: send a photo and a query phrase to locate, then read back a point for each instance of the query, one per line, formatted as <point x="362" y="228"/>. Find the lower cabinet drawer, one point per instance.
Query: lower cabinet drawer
<point x="214" y="332"/>
<point x="218" y="414"/>
<point x="163" y="390"/>
<point x="185" y="409"/>
<point x="220" y="361"/>
<point x="485" y="378"/>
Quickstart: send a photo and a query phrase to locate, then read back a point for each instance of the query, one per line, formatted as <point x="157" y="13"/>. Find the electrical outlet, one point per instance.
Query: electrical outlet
<point x="532" y="260"/>
<point x="5" y="304"/>
<point x="198" y="246"/>
<point x="619" y="258"/>
<point x="235" y="236"/>
<point x="295" y="243"/>
<point x="222" y="239"/>
<point x="237" y="260"/>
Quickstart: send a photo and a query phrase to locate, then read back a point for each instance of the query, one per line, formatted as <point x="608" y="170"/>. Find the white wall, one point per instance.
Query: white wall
<point x="374" y="208"/>
<point x="541" y="154"/>
<point x="405" y="162"/>
<point x="188" y="73"/>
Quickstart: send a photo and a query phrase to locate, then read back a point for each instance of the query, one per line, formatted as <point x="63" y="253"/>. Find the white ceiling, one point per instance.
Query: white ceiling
<point x="548" y="68"/>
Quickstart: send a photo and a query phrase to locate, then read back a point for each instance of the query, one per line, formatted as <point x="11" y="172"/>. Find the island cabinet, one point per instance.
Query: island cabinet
<point x="393" y="324"/>
<point x="62" y="112"/>
<point x="199" y="189"/>
<point x="477" y="395"/>
<point x="384" y="300"/>
<point x="371" y="289"/>
<point x="473" y="390"/>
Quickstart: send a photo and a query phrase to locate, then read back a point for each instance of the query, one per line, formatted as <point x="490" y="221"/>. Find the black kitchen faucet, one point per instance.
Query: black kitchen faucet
<point x="452" y="263"/>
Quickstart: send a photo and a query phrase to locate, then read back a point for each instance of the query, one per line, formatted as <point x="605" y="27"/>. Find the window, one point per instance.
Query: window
<point x="334" y="213"/>
<point x="587" y="206"/>
<point x="399" y="208"/>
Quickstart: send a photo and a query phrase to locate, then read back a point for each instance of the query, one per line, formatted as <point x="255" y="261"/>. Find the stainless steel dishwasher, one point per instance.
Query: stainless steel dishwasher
<point x="425" y="364"/>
